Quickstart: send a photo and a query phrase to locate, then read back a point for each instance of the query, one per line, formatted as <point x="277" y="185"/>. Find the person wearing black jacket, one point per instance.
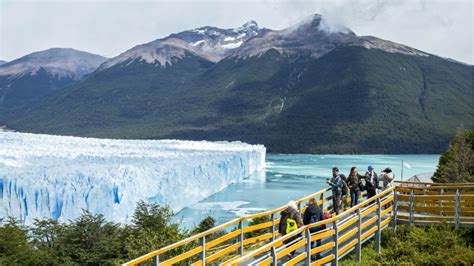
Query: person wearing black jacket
<point x="291" y="212"/>
<point x="371" y="182"/>
<point x="313" y="214"/>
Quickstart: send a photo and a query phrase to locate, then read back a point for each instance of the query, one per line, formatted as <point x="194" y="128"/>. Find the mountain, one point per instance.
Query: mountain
<point x="209" y="43"/>
<point x="32" y="77"/>
<point x="313" y="87"/>
<point x="3" y="62"/>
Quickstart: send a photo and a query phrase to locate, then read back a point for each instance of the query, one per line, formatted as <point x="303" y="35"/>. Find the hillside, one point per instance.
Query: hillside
<point x="298" y="90"/>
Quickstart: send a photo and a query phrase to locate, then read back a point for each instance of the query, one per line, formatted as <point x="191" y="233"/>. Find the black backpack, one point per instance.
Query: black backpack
<point x="315" y="219"/>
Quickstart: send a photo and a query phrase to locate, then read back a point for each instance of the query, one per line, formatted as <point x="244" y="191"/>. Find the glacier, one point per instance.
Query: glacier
<point x="46" y="176"/>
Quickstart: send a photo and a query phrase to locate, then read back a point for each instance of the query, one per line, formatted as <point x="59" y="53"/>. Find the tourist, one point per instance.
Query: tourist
<point x="345" y="192"/>
<point x="386" y="177"/>
<point x="290" y="220"/>
<point x="355" y="185"/>
<point x="371" y="182"/>
<point x="337" y="185"/>
<point x="313" y="214"/>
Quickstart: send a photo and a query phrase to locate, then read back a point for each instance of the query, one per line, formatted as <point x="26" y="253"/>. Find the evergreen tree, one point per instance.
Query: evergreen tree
<point x="456" y="165"/>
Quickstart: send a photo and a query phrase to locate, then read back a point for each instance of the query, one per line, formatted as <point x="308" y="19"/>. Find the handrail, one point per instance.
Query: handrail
<point x="341" y="231"/>
<point x="307" y="227"/>
<point x="221" y="247"/>
<point x="198" y="236"/>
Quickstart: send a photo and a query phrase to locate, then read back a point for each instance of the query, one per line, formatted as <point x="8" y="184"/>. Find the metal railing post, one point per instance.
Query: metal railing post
<point x="156" y="260"/>
<point x="241" y="237"/>
<point x="274" y="256"/>
<point x="359" y="238"/>
<point x="308" y="247"/>
<point x="273" y="226"/>
<point x="457" y="211"/>
<point x="203" y="253"/>
<point x="412" y="207"/>
<point x="379" y="230"/>
<point x="441" y="202"/>
<point x="395" y="209"/>
<point x="335" y="250"/>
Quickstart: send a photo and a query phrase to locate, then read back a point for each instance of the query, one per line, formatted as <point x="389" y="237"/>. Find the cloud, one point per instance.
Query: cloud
<point x="111" y="27"/>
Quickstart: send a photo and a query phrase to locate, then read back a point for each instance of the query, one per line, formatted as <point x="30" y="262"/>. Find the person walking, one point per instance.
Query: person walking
<point x="290" y="220"/>
<point x="354" y="181"/>
<point x="371" y="182"/>
<point x="313" y="214"/>
<point x="336" y="186"/>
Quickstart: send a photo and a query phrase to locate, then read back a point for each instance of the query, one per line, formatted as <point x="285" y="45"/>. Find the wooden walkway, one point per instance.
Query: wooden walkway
<point x="259" y="244"/>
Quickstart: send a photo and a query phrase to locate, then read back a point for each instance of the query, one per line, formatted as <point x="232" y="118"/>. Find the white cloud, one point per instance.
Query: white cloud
<point x="111" y="27"/>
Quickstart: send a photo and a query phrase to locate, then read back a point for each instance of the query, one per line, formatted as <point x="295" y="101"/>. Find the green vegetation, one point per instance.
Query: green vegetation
<point x="255" y="221"/>
<point x="89" y="239"/>
<point x="29" y="88"/>
<point x="432" y="245"/>
<point x="351" y="100"/>
<point x="456" y="165"/>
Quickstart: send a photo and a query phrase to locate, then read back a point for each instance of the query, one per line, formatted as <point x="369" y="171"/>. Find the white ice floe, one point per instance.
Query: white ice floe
<point x="234" y="207"/>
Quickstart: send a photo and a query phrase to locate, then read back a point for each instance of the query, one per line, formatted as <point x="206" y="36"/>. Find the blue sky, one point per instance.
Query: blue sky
<point x="444" y="28"/>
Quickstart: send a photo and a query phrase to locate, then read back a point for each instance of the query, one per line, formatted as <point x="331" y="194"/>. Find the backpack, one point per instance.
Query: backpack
<point x="314" y="219"/>
<point x="291" y="225"/>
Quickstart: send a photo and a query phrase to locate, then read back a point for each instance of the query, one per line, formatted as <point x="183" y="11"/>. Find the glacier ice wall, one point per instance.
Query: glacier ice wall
<point x="45" y="176"/>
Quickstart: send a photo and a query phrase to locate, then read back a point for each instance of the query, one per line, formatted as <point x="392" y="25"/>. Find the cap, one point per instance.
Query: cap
<point x="370" y="167"/>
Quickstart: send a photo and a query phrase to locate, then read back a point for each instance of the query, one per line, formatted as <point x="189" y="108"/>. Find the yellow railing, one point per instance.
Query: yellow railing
<point x="233" y="242"/>
<point x="448" y="203"/>
<point x="241" y="243"/>
<point x="344" y="233"/>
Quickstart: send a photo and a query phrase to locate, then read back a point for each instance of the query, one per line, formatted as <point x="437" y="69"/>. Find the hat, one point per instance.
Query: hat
<point x="292" y="204"/>
<point x="370" y="167"/>
<point x="311" y="201"/>
<point x="387" y="170"/>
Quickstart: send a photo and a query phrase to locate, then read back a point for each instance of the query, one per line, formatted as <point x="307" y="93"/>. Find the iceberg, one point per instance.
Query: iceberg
<point x="46" y="176"/>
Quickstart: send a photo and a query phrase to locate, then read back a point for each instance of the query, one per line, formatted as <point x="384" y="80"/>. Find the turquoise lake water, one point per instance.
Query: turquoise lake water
<point x="290" y="177"/>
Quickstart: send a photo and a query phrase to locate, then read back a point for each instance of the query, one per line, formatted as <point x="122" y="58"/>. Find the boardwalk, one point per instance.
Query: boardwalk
<point x="408" y="202"/>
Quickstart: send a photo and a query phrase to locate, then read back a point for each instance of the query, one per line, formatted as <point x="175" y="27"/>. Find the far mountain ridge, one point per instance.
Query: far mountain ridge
<point x="310" y="88"/>
<point x="30" y="78"/>
<point x="313" y="34"/>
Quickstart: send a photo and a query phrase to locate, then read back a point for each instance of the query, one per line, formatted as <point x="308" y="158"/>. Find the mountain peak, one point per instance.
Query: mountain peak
<point x="250" y="24"/>
<point x="58" y="61"/>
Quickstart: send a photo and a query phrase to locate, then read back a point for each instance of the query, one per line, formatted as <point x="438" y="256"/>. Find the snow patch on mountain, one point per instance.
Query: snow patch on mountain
<point x="232" y="45"/>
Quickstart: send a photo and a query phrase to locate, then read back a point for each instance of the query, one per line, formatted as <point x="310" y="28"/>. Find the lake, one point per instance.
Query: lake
<point x="290" y="177"/>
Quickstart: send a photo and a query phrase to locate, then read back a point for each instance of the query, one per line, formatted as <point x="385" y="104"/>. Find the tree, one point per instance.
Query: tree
<point x="89" y="239"/>
<point x="151" y="229"/>
<point x="456" y="165"/>
<point x="206" y="224"/>
<point x="14" y="247"/>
